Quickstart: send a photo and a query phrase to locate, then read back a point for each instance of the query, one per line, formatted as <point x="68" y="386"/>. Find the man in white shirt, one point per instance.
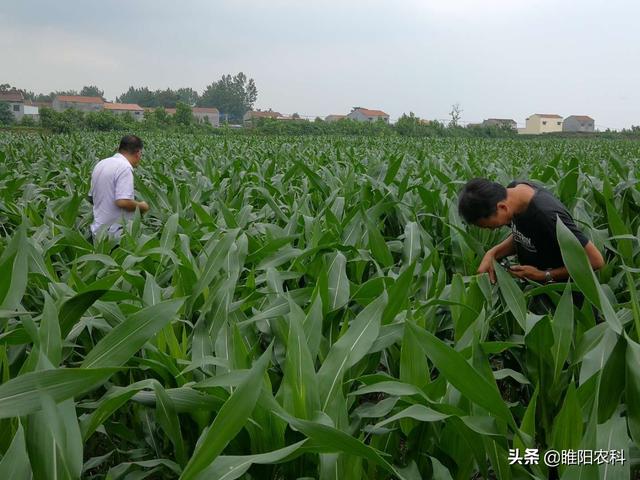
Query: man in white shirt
<point x="112" y="192"/>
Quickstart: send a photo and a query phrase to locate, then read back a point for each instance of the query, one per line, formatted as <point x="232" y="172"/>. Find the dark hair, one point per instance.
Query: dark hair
<point x="130" y="144"/>
<point x="479" y="199"/>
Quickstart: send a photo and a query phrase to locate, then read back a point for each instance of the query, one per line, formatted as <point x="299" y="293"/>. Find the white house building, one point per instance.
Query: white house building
<point x="211" y="115"/>
<point x="133" y="108"/>
<point x="578" y="123"/>
<point x="15" y="99"/>
<point x="366" y="115"/>
<point x="539" y="123"/>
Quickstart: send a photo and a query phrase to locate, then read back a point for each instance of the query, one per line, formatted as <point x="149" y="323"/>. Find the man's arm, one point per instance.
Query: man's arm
<point x="124" y="192"/>
<point x="503" y="249"/>
<point x="131" y="205"/>
<point x="561" y="273"/>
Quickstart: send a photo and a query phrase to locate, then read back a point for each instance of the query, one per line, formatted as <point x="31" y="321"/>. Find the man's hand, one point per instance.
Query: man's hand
<point x="143" y="206"/>
<point x="527" y="271"/>
<point x="131" y="205"/>
<point x="486" y="265"/>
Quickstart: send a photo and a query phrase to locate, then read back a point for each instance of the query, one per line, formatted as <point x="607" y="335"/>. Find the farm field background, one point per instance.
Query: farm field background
<point x="308" y="308"/>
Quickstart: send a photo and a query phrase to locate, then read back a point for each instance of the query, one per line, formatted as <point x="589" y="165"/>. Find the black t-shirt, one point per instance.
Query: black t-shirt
<point x="534" y="230"/>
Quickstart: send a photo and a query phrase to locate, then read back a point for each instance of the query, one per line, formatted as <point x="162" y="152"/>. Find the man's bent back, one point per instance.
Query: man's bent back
<point x="112" y="192"/>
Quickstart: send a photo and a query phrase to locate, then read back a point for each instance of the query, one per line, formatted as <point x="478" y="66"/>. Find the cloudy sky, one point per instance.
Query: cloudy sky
<point x="496" y="58"/>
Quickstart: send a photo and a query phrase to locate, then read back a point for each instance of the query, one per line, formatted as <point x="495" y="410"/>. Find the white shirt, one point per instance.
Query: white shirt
<point x="111" y="180"/>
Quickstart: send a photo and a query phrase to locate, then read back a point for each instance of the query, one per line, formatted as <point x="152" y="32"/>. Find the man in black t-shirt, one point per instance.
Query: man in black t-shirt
<point x="531" y="212"/>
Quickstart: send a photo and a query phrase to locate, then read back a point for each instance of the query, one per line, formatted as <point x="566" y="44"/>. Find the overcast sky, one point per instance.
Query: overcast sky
<point x="496" y="58"/>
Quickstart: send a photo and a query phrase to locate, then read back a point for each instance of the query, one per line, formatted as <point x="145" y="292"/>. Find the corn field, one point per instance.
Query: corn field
<point x="309" y="308"/>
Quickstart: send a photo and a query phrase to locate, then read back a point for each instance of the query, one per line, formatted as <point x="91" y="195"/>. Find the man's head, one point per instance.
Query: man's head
<point x="131" y="147"/>
<point x="484" y="203"/>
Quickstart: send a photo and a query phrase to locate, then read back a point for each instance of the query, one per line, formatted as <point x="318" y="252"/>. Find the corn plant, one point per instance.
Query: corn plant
<point x="309" y="308"/>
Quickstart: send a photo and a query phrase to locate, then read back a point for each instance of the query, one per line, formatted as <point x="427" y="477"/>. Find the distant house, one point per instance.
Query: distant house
<point x="133" y="108"/>
<point x="542" y="123"/>
<point x="31" y="111"/>
<point x="500" y="122"/>
<point x="211" y="115"/>
<point x="334" y="118"/>
<point x="365" y="115"/>
<point x="251" y="116"/>
<point x="578" y="123"/>
<point x="84" y="104"/>
<point x="15" y="99"/>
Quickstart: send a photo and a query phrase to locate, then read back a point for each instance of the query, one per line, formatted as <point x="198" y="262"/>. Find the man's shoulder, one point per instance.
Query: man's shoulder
<point x="115" y="162"/>
<point x="546" y="201"/>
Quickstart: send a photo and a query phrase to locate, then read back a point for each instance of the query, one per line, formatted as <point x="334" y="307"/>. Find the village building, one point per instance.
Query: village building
<point x="84" y="104"/>
<point x="136" y="111"/>
<point x="578" y="123"/>
<point x="539" y="123"/>
<point x="366" y="115"/>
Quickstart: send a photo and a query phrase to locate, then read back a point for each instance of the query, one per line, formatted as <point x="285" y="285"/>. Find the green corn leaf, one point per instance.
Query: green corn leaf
<point x="416" y="412"/>
<point x="111" y="401"/>
<point x="399" y="294"/>
<point x="168" y="420"/>
<point x="349" y="349"/>
<point x="73" y="308"/>
<point x="15" y="462"/>
<point x="21" y="395"/>
<point x="562" y="326"/>
<point x="14" y="272"/>
<point x="568" y="428"/>
<point x="462" y="375"/>
<point x="632" y="390"/>
<point x="230" y="419"/>
<point x="411" y="247"/>
<point x="121" y="343"/>
<point x="49" y="332"/>
<point x="338" y="282"/>
<point x="301" y="396"/>
<point x="231" y="467"/>
<point x="513" y="296"/>
<point x="582" y="274"/>
<point x="378" y="246"/>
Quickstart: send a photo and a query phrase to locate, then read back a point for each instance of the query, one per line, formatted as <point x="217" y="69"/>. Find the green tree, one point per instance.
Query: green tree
<point x="408" y="125"/>
<point x="167" y="98"/>
<point x="187" y="95"/>
<point x="63" y="92"/>
<point x="62" y="122"/>
<point x="38" y="97"/>
<point x="103" y="120"/>
<point x="27" y="121"/>
<point x="158" y="116"/>
<point x="6" y="117"/>
<point x="142" y="96"/>
<point x="232" y="95"/>
<point x="183" y="114"/>
<point x="92" y="91"/>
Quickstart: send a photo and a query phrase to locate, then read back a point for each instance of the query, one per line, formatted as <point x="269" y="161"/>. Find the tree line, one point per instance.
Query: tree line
<point x="232" y="95"/>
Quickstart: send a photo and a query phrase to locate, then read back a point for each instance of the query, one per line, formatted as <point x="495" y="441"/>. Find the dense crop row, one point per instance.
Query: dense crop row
<point x="308" y="308"/>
